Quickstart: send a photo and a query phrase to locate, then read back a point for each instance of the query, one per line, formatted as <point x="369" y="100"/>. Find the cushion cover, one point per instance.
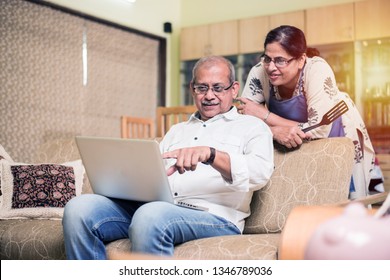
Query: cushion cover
<point x="301" y="177"/>
<point x="38" y="190"/>
<point x="4" y="155"/>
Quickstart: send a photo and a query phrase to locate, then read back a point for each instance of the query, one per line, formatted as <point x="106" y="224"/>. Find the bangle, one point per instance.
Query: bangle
<point x="211" y="157"/>
<point x="266" y="116"/>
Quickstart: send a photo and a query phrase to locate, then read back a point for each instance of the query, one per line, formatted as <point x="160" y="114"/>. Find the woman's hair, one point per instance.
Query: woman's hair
<point x="292" y="40"/>
<point x="210" y="61"/>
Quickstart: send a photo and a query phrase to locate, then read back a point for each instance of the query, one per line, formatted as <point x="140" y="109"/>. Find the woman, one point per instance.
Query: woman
<point x="292" y="88"/>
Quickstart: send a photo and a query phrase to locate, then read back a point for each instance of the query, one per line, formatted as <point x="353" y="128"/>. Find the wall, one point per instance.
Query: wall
<point x="149" y="16"/>
<point x="205" y="11"/>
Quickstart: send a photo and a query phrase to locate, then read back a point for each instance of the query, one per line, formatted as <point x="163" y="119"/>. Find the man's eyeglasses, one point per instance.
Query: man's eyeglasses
<point x="279" y="62"/>
<point x="217" y="89"/>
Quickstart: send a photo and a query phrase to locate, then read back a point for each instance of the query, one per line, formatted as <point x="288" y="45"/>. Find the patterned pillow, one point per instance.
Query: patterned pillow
<point x="38" y="191"/>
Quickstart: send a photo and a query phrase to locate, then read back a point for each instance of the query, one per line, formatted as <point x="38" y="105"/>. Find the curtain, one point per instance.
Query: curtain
<point x="63" y="75"/>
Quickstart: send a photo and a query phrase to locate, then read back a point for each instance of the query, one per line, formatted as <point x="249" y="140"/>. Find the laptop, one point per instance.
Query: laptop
<point x="130" y="169"/>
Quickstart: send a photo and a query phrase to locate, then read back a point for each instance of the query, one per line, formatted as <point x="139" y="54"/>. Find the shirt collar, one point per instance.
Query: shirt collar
<point x="229" y="115"/>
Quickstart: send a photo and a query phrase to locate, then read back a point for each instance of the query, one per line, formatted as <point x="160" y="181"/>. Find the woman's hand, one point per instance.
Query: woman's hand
<point x="289" y="136"/>
<point x="285" y="132"/>
<point x="249" y="107"/>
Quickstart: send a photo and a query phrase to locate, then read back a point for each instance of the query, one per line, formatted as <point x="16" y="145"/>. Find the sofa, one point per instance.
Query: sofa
<point x="317" y="173"/>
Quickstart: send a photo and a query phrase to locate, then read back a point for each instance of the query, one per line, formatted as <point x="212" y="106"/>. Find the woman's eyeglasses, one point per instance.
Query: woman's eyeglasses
<point x="279" y="62"/>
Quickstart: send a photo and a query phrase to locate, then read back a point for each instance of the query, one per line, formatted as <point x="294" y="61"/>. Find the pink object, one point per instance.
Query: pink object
<point x="354" y="235"/>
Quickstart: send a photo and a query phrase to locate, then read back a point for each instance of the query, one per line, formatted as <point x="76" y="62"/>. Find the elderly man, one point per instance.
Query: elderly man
<point x="214" y="160"/>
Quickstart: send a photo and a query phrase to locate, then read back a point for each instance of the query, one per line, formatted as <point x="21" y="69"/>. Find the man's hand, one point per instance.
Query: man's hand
<point x="186" y="158"/>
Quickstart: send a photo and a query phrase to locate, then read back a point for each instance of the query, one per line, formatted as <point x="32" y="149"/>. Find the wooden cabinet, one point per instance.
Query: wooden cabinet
<point x="218" y="39"/>
<point x="373" y="78"/>
<point x="380" y="138"/>
<point x="384" y="163"/>
<point x="341" y="23"/>
<point x="331" y="24"/>
<point x="252" y="32"/>
<point x="376" y="111"/>
<point x="372" y="19"/>
<point x="223" y="38"/>
<point x="194" y="42"/>
<point x="296" y="19"/>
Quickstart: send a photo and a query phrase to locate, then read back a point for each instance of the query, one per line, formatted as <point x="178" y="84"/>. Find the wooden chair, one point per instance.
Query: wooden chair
<point x="135" y="127"/>
<point x="168" y="116"/>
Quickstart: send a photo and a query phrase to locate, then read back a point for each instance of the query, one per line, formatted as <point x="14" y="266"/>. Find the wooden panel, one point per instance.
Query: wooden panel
<point x="194" y="42"/>
<point x="296" y="19"/>
<point x="331" y="24"/>
<point x="372" y="19"/>
<point x="252" y="32"/>
<point x="224" y="38"/>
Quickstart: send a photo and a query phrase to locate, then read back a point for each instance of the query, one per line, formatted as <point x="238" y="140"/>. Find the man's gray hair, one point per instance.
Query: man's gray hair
<point x="211" y="60"/>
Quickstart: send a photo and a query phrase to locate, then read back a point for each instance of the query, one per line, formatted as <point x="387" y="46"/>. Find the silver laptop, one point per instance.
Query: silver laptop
<point x="130" y="169"/>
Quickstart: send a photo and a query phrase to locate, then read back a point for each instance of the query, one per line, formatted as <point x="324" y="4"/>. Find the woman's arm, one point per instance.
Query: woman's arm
<point x="285" y="132"/>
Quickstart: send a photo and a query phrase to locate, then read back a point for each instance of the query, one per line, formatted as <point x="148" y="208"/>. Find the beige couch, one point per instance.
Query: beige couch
<point x="316" y="174"/>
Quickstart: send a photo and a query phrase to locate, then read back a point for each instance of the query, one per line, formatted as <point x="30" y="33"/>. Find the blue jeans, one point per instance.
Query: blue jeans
<point x="90" y="221"/>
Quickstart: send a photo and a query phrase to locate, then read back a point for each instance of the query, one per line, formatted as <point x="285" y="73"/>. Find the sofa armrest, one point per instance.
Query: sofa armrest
<point x="378" y="198"/>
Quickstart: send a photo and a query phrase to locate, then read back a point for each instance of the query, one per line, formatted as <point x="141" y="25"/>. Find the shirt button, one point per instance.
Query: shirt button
<point x="204" y="125"/>
<point x="176" y="194"/>
<point x="196" y="138"/>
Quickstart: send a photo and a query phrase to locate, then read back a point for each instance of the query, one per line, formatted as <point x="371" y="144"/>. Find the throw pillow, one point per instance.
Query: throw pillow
<point x="38" y="191"/>
<point x="3" y="156"/>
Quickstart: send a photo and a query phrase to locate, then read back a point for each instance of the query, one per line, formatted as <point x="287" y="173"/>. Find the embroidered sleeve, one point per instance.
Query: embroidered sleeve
<point x="254" y="88"/>
<point x="321" y="94"/>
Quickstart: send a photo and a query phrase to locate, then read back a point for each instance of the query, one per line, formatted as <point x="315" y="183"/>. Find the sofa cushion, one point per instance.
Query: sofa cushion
<point x="61" y="150"/>
<point x="231" y="247"/>
<point x="38" y="190"/>
<point x="31" y="240"/>
<point x="57" y="151"/>
<point x="317" y="173"/>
